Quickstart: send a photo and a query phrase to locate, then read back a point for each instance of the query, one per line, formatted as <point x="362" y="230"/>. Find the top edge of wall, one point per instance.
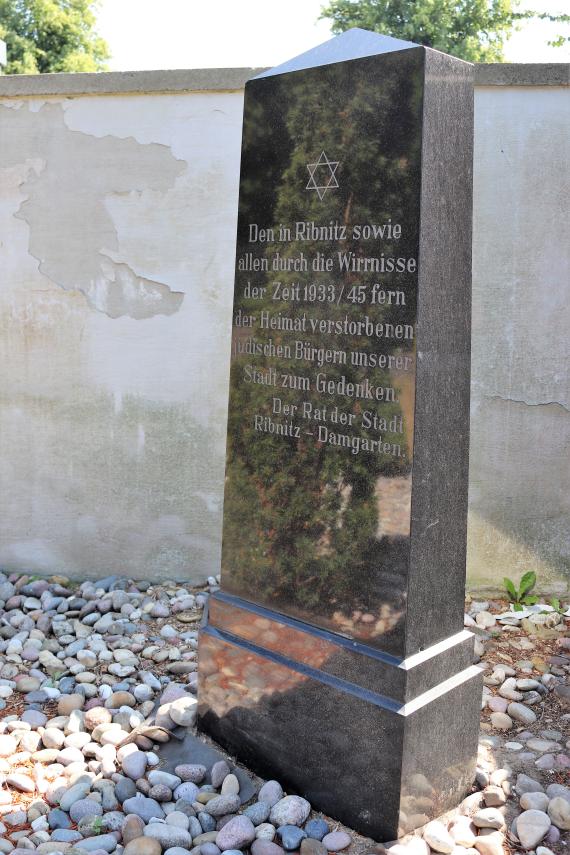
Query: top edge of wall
<point x="234" y="79"/>
<point x="128" y="82"/>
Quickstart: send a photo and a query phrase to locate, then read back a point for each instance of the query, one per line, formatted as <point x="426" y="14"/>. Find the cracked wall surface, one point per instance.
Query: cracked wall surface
<point x="117" y="225"/>
<point x="117" y="239"/>
<point x="520" y="405"/>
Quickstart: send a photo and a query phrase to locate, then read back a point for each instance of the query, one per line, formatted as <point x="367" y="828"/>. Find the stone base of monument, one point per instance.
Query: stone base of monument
<point x="380" y="743"/>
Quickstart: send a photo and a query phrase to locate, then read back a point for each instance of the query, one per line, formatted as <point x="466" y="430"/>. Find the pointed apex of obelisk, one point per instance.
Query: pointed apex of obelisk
<point x="352" y="44"/>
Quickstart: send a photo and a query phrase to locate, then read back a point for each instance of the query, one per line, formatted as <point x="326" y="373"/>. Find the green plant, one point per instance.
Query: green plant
<point x="519" y="596"/>
<point x="557" y="606"/>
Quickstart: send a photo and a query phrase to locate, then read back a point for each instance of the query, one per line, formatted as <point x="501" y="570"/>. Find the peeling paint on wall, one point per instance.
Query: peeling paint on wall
<point x="71" y="232"/>
<point x="117" y="235"/>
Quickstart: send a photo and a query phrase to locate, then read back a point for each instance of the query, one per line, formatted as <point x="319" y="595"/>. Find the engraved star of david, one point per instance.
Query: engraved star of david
<point x="323" y="172"/>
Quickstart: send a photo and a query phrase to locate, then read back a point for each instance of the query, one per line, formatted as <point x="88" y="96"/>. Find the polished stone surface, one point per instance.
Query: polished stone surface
<point x="313" y="529"/>
<point x="354" y="538"/>
<point x="336" y="644"/>
<point x="401" y="680"/>
<point x="379" y="766"/>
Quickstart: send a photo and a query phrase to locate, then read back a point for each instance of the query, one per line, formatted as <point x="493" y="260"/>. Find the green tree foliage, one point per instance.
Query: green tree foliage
<point x="475" y="30"/>
<point x="51" y="35"/>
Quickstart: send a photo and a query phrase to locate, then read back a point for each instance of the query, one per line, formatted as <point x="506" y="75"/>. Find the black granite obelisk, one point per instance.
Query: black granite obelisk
<point x="334" y="657"/>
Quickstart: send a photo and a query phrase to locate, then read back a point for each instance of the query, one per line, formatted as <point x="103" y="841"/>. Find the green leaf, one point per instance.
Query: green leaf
<point x="528" y="582"/>
<point x="511" y="590"/>
<point x="555" y="603"/>
<point x="518" y="607"/>
<point x="529" y="601"/>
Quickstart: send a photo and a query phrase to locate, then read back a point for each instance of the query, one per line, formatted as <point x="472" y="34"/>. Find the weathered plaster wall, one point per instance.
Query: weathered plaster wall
<point x="118" y="226"/>
<point x="520" y="424"/>
<point x="118" y="197"/>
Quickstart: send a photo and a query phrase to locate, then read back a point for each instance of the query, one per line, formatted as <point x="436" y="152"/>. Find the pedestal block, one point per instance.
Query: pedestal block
<point x="381" y="743"/>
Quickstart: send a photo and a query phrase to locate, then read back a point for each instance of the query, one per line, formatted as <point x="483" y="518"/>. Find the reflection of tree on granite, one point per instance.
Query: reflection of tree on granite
<point x="301" y="516"/>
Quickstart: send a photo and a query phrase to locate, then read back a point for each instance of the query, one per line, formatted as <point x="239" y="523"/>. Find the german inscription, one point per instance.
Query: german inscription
<point x="294" y="311"/>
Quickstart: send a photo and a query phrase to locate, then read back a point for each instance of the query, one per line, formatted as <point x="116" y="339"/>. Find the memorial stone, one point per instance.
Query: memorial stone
<point x="334" y="657"/>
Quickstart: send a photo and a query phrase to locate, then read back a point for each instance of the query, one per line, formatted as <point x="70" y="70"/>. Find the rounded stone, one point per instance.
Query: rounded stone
<point x="120" y="699"/>
<point x="291" y="836"/>
<point x="291" y="810"/>
<point x="52" y="737"/>
<point x="58" y="819"/>
<point x="257" y="812"/>
<point x="265" y="831"/>
<point x="125" y="788"/>
<point x="180" y="820"/>
<point x="34" y="718"/>
<point x="337" y="840"/>
<point x="187" y="791"/>
<point x="534" y="801"/>
<point x="219" y="771"/>
<point x="490" y="844"/>
<point x="8" y="745"/>
<point x="526" y="784"/>
<point x="183" y="711"/>
<point x="463" y="832"/>
<point x="501" y="721"/>
<point x="21" y="782"/>
<point x="133" y="828"/>
<point x="230" y="785"/>
<point x="438" y="838"/>
<point x="134" y="765"/>
<point x="554" y="790"/>
<point x="192" y="772"/>
<point x="27" y="684"/>
<point x="221" y="805"/>
<point x="316" y="829"/>
<point x="74" y="794"/>
<point x="521" y="713"/>
<point x="67" y="703"/>
<point x="494" y="796"/>
<point x="542" y="745"/>
<point x="265" y="847"/>
<point x="143" y="846"/>
<point x="236" y="834"/>
<point x="271" y="792"/>
<point x="532" y="826"/>
<point x="312" y="846"/>
<point x="161" y="793"/>
<point x="207" y="822"/>
<point x="157" y="776"/>
<point x="559" y="813"/>
<point x="489" y="818"/>
<point x="83" y="808"/>
<point x="553" y="835"/>
<point x="497" y="704"/>
<point x="207" y="837"/>
<point x="146" y="808"/>
<point x="168" y="835"/>
<point x="96" y="716"/>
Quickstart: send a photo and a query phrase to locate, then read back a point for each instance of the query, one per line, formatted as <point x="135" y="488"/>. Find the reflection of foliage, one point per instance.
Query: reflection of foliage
<point x="301" y="516"/>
